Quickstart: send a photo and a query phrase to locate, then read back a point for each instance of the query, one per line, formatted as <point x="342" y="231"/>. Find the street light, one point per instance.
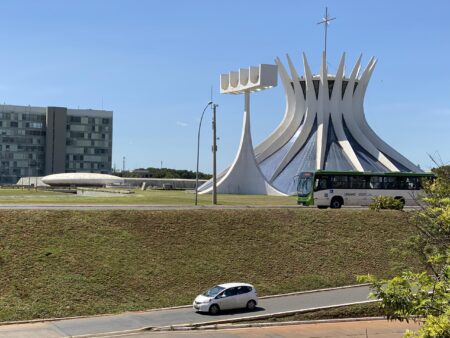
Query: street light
<point x="36" y="172"/>
<point x="214" y="151"/>
<point x="198" y="151"/>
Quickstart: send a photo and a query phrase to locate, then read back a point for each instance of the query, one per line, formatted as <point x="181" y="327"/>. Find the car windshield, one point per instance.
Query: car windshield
<point x="214" y="291"/>
<point x="305" y="184"/>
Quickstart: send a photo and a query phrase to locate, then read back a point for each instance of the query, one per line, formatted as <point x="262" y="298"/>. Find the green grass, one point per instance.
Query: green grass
<point x="350" y="311"/>
<point x="155" y="197"/>
<point x="18" y="192"/>
<point x="65" y="263"/>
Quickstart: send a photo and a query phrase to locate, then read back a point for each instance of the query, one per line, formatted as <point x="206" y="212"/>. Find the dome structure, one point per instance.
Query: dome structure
<point x="81" y="179"/>
<point x="324" y="128"/>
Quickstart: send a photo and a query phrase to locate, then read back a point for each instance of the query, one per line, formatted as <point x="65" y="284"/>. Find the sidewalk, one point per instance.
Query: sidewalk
<point x="357" y="329"/>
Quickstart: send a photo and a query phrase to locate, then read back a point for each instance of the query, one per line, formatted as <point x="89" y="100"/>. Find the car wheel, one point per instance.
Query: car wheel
<point x="251" y="305"/>
<point x="214" y="309"/>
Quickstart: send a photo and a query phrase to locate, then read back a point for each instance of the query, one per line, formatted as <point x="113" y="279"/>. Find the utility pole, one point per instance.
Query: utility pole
<point x="123" y="164"/>
<point x="214" y="151"/>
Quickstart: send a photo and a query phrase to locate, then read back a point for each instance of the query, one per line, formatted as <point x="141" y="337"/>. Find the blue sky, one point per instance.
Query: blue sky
<point x="153" y="63"/>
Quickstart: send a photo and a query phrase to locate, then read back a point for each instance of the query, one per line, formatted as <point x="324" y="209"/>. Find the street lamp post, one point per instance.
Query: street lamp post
<point x="28" y="171"/>
<point x="198" y="151"/>
<point x="214" y="151"/>
<point x="36" y="173"/>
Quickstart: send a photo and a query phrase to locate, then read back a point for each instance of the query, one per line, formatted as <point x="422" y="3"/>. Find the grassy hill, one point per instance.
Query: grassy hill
<point x="64" y="263"/>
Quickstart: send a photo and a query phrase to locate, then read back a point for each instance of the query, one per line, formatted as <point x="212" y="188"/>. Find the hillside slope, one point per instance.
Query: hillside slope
<point x="64" y="263"/>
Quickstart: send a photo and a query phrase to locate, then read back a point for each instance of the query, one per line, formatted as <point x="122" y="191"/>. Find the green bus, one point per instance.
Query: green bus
<point x="334" y="189"/>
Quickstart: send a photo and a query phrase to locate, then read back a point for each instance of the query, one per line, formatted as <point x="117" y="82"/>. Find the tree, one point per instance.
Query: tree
<point x="425" y="296"/>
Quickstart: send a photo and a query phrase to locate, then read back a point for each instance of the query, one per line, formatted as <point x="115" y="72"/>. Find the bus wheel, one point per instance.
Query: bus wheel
<point x="336" y="202"/>
<point x="401" y="199"/>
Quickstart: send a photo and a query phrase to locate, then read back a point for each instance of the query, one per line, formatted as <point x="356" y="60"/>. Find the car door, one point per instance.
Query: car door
<point x="241" y="299"/>
<point x="227" y="299"/>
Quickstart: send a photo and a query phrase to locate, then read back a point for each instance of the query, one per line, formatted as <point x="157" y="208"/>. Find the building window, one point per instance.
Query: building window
<point x="36" y="125"/>
<point x="76" y="134"/>
<point x="75" y="119"/>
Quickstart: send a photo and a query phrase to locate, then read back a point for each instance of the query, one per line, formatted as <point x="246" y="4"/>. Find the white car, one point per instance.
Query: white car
<point x="226" y="297"/>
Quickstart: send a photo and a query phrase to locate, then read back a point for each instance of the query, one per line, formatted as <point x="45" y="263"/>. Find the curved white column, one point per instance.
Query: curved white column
<point x="336" y="117"/>
<point x="323" y="115"/>
<point x="310" y="114"/>
<point x="364" y="126"/>
<point x="244" y="175"/>
<point x="300" y="101"/>
<point x="288" y="126"/>
<point x="353" y="127"/>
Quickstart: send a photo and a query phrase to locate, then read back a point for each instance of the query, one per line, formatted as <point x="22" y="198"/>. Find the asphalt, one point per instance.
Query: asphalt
<point x="46" y="206"/>
<point x="181" y="316"/>
<point x="57" y="206"/>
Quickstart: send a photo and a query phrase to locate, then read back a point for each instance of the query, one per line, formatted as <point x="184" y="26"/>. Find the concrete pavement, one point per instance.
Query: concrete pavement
<point x="353" y="329"/>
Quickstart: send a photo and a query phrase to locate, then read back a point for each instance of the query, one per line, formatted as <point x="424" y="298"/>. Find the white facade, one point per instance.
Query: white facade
<point x="81" y="179"/>
<point x="323" y="128"/>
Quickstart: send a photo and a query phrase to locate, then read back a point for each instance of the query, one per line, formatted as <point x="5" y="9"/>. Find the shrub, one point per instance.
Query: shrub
<point x="386" y="202"/>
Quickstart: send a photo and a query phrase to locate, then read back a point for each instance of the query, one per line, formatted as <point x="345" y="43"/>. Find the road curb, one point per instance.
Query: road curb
<point x="293" y="322"/>
<point x="191" y="326"/>
<point x="313" y="291"/>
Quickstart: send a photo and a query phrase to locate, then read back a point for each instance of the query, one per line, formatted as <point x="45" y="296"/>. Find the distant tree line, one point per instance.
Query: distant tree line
<point x="162" y="173"/>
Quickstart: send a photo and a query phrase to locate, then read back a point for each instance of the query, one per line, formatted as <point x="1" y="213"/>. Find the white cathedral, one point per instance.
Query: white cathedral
<point x="323" y="128"/>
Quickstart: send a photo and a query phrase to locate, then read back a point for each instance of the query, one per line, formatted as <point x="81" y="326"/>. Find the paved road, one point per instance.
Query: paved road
<point x="138" y="320"/>
<point x="138" y="206"/>
<point x="15" y="206"/>
<point x="45" y="206"/>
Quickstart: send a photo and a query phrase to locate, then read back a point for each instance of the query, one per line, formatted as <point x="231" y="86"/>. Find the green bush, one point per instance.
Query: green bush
<point x="386" y="202"/>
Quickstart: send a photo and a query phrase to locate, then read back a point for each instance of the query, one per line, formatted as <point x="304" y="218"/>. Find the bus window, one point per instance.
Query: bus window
<point x="357" y="182"/>
<point x="390" y="183"/>
<point x="339" y="182"/>
<point x="413" y="183"/>
<point x="402" y="183"/>
<point x="376" y="182"/>
<point x="321" y="183"/>
<point x="304" y="187"/>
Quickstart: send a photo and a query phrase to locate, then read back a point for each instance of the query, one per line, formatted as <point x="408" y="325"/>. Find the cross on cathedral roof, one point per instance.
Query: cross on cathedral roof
<point x="326" y="21"/>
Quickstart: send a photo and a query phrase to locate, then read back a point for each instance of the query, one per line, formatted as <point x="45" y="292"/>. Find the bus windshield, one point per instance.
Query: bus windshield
<point x="305" y="184"/>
